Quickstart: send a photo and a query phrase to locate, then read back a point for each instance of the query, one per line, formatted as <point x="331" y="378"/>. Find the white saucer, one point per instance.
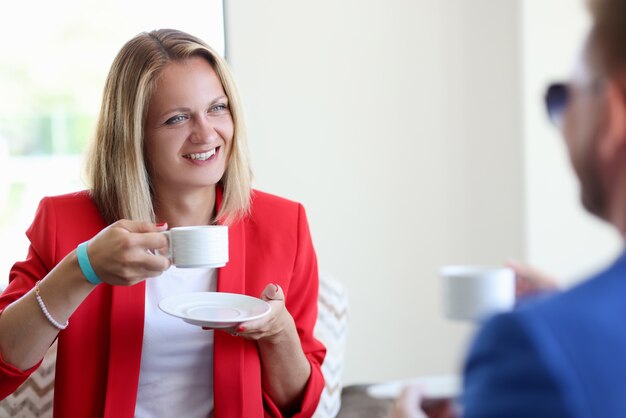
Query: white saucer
<point x="214" y="309"/>
<point x="433" y="387"/>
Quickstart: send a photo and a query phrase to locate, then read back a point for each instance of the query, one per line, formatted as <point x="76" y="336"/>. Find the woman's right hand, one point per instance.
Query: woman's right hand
<point x="126" y="252"/>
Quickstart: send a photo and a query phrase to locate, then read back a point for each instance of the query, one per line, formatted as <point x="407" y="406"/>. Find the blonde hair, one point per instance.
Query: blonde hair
<point x="116" y="168"/>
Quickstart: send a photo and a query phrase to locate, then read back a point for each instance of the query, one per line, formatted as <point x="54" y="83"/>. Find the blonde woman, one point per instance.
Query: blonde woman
<point x="170" y="150"/>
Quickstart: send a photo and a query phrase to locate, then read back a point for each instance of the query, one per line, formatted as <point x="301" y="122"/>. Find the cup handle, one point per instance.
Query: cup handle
<point x="168" y="235"/>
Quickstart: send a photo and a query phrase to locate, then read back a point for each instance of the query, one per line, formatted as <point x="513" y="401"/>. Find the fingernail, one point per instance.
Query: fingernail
<point x="241" y="329"/>
<point x="161" y="224"/>
<point x="275" y="288"/>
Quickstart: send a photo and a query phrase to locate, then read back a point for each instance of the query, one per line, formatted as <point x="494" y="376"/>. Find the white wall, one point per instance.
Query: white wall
<point x="561" y="237"/>
<point x="397" y="123"/>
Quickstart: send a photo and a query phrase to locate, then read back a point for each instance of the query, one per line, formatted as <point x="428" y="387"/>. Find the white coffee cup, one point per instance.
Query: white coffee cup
<point x="475" y="292"/>
<point x="198" y="246"/>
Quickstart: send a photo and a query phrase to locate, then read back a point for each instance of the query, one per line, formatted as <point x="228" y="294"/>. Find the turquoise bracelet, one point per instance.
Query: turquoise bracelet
<point x="85" y="265"/>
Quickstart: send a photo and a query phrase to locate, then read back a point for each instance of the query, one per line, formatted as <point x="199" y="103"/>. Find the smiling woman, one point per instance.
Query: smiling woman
<point x="169" y="150"/>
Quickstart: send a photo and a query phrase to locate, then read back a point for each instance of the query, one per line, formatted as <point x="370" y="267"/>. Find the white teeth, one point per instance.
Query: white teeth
<point x="201" y="156"/>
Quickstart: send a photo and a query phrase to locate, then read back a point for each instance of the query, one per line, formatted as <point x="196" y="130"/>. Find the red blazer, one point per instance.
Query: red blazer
<point x="99" y="354"/>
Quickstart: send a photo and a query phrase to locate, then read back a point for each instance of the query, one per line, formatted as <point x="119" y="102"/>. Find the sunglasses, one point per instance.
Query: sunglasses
<point x="557" y="95"/>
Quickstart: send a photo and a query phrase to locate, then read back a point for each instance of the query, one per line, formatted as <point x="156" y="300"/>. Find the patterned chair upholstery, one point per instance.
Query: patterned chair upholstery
<point x="34" y="398"/>
<point x="331" y="329"/>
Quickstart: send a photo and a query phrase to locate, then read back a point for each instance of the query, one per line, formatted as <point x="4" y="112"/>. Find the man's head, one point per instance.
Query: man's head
<point x="594" y="110"/>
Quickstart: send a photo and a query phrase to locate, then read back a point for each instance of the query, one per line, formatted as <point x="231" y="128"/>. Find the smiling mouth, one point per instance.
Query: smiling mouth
<point x="201" y="156"/>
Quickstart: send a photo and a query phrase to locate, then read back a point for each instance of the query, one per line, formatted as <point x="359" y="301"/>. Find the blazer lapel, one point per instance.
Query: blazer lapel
<point x="228" y="351"/>
<point x="127" y="320"/>
<point x="231" y="276"/>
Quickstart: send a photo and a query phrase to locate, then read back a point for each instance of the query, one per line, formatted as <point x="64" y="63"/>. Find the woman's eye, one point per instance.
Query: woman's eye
<point x="220" y="107"/>
<point x="175" y="119"/>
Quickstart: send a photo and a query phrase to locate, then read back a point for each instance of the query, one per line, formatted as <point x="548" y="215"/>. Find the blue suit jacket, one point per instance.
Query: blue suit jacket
<point x="561" y="356"/>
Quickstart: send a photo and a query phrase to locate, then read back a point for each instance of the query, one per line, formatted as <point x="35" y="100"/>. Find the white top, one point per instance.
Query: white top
<point x="176" y="376"/>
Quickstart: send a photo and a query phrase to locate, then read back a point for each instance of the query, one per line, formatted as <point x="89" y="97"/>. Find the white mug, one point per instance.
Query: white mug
<point x="198" y="246"/>
<point x="474" y="292"/>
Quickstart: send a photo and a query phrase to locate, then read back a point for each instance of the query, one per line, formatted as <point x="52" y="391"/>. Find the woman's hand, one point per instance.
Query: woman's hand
<point x="272" y="327"/>
<point x="529" y="280"/>
<point x="285" y="369"/>
<point x="119" y="255"/>
<point x="124" y="253"/>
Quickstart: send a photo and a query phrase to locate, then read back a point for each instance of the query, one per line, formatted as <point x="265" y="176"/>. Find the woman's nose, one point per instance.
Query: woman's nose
<point x="204" y="131"/>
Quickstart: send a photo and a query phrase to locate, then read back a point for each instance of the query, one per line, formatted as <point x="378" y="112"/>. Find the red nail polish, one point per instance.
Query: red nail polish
<point x="241" y="329"/>
<point x="160" y="224"/>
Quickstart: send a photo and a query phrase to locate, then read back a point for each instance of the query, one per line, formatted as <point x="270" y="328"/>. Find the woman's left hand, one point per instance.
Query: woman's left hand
<point x="272" y="327"/>
<point x="285" y="369"/>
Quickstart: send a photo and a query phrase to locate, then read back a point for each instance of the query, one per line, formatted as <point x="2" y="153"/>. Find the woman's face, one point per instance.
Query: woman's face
<point x="189" y="128"/>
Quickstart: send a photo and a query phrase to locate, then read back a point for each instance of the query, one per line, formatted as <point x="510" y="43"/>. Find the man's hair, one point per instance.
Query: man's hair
<point x="116" y="167"/>
<point x="609" y="32"/>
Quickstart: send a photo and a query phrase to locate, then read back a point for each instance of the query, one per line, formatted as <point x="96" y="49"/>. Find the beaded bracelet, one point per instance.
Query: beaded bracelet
<point x="49" y="317"/>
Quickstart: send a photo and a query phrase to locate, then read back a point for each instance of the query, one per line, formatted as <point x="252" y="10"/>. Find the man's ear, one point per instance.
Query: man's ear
<point x="613" y="141"/>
